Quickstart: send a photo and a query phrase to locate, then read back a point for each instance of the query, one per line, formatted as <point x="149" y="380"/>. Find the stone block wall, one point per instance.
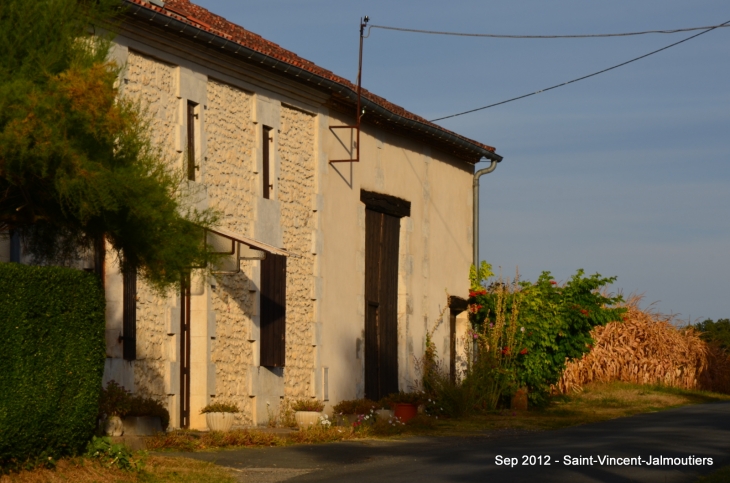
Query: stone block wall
<point x="296" y="190"/>
<point x="230" y="178"/>
<point x="152" y="343"/>
<point x="230" y="181"/>
<point x="229" y="169"/>
<point x="152" y="83"/>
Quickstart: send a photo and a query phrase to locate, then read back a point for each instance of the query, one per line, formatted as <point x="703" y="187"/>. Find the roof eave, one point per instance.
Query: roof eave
<point x="470" y="150"/>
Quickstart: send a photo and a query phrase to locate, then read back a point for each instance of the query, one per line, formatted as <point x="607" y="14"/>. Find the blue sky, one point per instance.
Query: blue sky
<point x="625" y="174"/>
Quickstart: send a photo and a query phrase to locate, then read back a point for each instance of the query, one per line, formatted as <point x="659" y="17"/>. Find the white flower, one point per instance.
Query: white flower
<point x="522" y="329"/>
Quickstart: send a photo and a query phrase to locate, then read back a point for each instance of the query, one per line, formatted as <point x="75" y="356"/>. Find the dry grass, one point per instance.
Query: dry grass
<point x="157" y="470"/>
<point x="646" y="348"/>
<point x="200" y="441"/>
<point x="195" y="441"/>
<point x="321" y="434"/>
<point x="77" y="470"/>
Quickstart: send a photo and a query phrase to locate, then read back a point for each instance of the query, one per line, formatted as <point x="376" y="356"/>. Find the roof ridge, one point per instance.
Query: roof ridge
<point x="191" y="13"/>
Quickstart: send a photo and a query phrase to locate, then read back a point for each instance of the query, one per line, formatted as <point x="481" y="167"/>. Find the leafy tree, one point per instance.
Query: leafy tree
<point x="718" y="332"/>
<point x="76" y="160"/>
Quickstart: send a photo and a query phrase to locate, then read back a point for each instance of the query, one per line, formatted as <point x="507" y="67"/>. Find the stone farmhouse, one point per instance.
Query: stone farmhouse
<point x="341" y="256"/>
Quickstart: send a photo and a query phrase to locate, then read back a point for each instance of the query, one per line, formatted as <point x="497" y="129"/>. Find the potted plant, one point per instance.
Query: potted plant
<point x="307" y="412"/>
<point x="220" y="415"/>
<point x="146" y="417"/>
<point x="346" y="412"/>
<point x="114" y="402"/>
<point x="405" y="404"/>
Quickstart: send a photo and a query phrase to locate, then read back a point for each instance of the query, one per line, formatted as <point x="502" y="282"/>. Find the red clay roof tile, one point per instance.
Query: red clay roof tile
<point x="200" y="17"/>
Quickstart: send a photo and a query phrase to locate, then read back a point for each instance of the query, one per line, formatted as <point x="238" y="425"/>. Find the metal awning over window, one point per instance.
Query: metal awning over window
<point x="238" y="247"/>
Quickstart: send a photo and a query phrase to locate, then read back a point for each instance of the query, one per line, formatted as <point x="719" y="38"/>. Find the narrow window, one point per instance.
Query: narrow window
<point x="273" y="310"/>
<point x="129" y="312"/>
<point x="192" y="117"/>
<point x="266" y="162"/>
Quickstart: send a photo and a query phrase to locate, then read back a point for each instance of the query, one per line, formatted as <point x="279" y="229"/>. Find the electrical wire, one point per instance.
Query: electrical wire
<point x="578" y="36"/>
<point x="584" y="77"/>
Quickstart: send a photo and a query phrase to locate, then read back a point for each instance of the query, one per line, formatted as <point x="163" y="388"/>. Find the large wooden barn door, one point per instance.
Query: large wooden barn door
<point x="381" y="304"/>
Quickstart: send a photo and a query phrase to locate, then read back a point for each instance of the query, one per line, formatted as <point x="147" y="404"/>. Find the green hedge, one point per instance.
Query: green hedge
<point x="52" y="351"/>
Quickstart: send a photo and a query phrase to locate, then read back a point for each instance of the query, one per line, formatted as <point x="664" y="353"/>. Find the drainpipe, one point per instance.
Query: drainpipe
<point x="496" y="159"/>
<point x="492" y="166"/>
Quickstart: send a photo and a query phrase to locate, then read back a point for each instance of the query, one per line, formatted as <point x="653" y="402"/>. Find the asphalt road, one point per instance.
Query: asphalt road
<point x="700" y="431"/>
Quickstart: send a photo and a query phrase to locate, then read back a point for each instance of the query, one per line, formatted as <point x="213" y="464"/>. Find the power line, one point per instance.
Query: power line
<point x="578" y="36"/>
<point x="584" y="77"/>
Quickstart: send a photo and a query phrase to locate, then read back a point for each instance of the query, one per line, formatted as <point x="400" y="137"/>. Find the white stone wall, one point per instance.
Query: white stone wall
<point x="296" y="190"/>
<point x="153" y="84"/>
<point x="229" y="168"/>
<point x="311" y="208"/>
<point x="229" y="177"/>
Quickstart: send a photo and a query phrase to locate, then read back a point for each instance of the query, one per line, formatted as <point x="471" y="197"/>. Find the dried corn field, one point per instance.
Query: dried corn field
<point x="646" y="348"/>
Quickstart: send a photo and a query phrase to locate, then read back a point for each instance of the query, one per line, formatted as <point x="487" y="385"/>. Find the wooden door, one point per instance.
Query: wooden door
<point x="185" y="352"/>
<point x="381" y="304"/>
<point x="273" y="310"/>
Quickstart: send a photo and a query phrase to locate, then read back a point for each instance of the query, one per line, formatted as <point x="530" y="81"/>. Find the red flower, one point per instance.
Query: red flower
<point x="474" y="293"/>
<point x="474" y="308"/>
<point x="584" y="311"/>
<point x="505" y="351"/>
<point x="553" y="282"/>
<point x="523" y="351"/>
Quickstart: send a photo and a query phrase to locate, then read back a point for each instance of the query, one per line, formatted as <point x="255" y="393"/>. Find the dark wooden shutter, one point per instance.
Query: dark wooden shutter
<point x="381" y="304"/>
<point x="273" y="310"/>
<point x="191" y="140"/>
<point x="15" y="246"/>
<point x="185" y="351"/>
<point x="265" y="162"/>
<point x="129" y="312"/>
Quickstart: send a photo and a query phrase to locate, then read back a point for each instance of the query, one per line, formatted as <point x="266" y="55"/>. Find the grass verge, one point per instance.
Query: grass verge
<point x="597" y="402"/>
<point x="720" y="476"/>
<point x="157" y="469"/>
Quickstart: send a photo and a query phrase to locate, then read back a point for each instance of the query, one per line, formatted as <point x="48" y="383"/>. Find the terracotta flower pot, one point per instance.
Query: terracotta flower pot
<point x="405" y="411"/>
<point x="219" y="421"/>
<point x="307" y="419"/>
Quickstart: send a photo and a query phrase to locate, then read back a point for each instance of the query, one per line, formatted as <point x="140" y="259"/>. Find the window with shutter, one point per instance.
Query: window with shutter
<point x="273" y="310"/>
<point x="266" y="162"/>
<point x="192" y="117"/>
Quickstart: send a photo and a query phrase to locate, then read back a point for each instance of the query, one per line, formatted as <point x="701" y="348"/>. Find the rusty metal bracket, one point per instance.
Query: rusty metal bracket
<point x="359" y="112"/>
